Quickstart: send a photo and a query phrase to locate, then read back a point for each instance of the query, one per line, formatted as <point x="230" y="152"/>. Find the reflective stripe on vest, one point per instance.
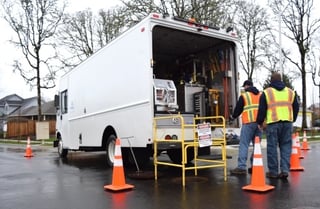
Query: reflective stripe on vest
<point x="279" y="105"/>
<point x="250" y="108"/>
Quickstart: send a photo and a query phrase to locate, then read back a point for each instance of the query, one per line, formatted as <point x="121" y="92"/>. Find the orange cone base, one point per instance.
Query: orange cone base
<point x="258" y="188"/>
<point x="28" y="156"/>
<point x="118" y="188"/>
<point x="305" y="148"/>
<point x="301" y="157"/>
<point x="28" y="153"/>
<point x="297" y="168"/>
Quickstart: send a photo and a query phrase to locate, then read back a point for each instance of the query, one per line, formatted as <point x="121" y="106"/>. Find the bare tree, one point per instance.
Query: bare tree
<point x="77" y="37"/>
<point x="83" y="33"/>
<point x="210" y="12"/>
<point x="34" y="23"/>
<point x="136" y="10"/>
<point x="296" y="15"/>
<point x="314" y="63"/>
<point x="110" y="24"/>
<point x="252" y="26"/>
<point x="201" y="10"/>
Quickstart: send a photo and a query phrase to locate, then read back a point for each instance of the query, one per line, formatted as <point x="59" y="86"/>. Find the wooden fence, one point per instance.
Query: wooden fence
<point x="26" y="128"/>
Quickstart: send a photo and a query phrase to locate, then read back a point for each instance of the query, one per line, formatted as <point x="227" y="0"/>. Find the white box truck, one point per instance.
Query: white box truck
<point x="162" y="65"/>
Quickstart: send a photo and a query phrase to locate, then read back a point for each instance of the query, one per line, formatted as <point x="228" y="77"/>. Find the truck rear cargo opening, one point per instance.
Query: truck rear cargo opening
<point x="196" y="63"/>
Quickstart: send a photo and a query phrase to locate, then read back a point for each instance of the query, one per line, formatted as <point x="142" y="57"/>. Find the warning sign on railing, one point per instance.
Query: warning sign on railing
<point x="204" y="134"/>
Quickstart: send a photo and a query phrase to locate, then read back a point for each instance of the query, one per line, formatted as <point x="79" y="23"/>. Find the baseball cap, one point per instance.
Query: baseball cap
<point x="247" y="83"/>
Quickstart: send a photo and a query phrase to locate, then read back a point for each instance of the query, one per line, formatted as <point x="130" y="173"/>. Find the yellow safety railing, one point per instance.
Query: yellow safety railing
<point x="190" y="139"/>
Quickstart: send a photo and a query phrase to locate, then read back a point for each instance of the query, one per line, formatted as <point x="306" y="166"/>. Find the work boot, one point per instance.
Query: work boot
<point x="272" y="175"/>
<point x="283" y="175"/>
<point x="238" y="171"/>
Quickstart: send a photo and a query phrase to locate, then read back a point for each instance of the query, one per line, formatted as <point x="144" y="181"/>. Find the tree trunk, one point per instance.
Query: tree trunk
<point x="304" y="98"/>
<point x="39" y="95"/>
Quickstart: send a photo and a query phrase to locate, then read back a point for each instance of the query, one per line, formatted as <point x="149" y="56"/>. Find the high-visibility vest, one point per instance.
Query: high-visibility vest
<point x="279" y="104"/>
<point x="250" y="107"/>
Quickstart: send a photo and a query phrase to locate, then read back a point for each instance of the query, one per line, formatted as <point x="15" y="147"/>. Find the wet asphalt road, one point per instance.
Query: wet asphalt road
<point x="47" y="182"/>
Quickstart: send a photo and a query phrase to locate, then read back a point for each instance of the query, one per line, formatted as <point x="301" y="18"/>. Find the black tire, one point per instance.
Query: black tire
<point x="110" y="148"/>
<point x="62" y="151"/>
<point x="175" y="155"/>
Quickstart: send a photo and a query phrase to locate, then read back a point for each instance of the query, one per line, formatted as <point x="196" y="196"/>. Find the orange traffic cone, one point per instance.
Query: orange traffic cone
<point x="298" y="145"/>
<point x="28" y="149"/>
<point x="305" y="145"/>
<point x="118" y="179"/>
<point x="294" y="158"/>
<point x="258" y="176"/>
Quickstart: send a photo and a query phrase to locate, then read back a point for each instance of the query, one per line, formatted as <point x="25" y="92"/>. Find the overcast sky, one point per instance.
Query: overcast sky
<point x="12" y="83"/>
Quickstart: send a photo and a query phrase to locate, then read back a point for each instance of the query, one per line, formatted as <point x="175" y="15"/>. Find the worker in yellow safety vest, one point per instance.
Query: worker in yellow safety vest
<point x="278" y="108"/>
<point x="247" y="107"/>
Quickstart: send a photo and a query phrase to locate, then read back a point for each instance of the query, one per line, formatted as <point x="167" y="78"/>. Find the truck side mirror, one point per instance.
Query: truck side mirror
<point x="56" y="101"/>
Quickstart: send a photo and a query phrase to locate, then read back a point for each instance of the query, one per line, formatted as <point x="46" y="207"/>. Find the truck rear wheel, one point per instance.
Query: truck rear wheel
<point x="175" y="155"/>
<point x="62" y="151"/>
<point x="110" y="148"/>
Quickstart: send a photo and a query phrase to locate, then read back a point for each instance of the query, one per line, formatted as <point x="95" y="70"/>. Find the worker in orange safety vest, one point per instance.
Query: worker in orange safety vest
<point x="247" y="107"/>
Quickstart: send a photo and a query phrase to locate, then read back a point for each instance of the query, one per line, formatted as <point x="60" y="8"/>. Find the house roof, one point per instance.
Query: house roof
<point x="48" y="108"/>
<point x="12" y="100"/>
<point x="9" y="104"/>
<point x="15" y="106"/>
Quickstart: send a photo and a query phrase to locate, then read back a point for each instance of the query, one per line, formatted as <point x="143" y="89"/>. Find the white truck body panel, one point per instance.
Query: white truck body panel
<point x="111" y="87"/>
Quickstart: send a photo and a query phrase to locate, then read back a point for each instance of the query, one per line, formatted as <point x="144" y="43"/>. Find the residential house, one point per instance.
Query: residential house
<point x="8" y="105"/>
<point x="19" y="116"/>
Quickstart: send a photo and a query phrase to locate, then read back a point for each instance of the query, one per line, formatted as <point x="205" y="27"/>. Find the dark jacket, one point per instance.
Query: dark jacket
<point x="240" y="103"/>
<point x="262" y="111"/>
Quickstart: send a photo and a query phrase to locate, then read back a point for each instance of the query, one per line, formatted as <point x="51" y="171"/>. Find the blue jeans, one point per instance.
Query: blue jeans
<point x="247" y="134"/>
<point x="279" y="134"/>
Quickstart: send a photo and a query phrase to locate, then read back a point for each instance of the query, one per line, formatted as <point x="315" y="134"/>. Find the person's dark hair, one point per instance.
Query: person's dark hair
<point x="275" y="77"/>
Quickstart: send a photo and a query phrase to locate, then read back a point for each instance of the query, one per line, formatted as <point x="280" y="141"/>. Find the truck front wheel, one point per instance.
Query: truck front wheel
<point x="61" y="151"/>
<point x="110" y="148"/>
